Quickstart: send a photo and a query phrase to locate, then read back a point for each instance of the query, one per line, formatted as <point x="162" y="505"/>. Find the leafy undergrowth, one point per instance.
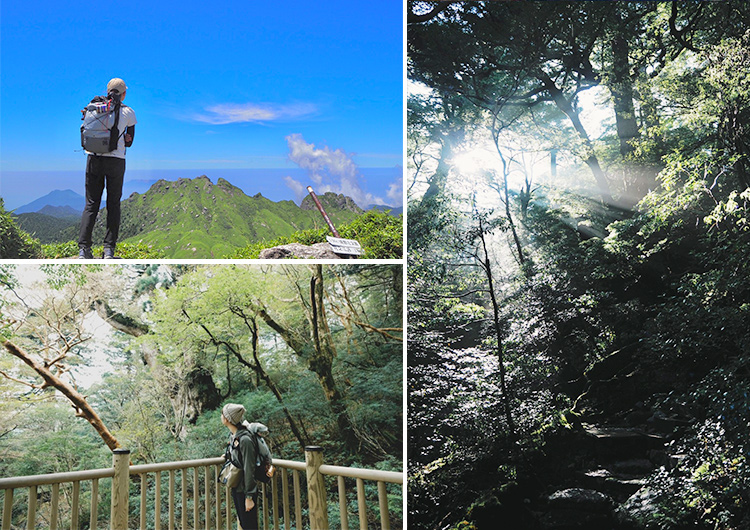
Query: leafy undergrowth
<point x="709" y="486"/>
<point x="124" y="251"/>
<point x="380" y="234"/>
<point x="14" y="242"/>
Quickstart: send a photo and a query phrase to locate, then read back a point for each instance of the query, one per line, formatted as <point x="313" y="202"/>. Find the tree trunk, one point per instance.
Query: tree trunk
<point x="119" y="321"/>
<point x="190" y="393"/>
<point x="498" y="333"/>
<point x="516" y="239"/>
<point x="302" y="438"/>
<point x="320" y="360"/>
<point x="564" y="105"/>
<point x="323" y="360"/>
<point x="440" y="177"/>
<point x="622" y="93"/>
<point x="257" y="368"/>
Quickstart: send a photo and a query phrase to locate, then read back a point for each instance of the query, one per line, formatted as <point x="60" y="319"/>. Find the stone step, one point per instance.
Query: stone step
<point x="633" y="466"/>
<point x="619" y="433"/>
<point x="619" y="486"/>
<point x="563" y="519"/>
<point x="668" y="424"/>
<point x="621" y="442"/>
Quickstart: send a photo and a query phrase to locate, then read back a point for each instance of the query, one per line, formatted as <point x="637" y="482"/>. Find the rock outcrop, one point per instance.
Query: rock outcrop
<point x="299" y="251"/>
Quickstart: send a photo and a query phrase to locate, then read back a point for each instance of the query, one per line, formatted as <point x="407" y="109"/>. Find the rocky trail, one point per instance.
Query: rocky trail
<point x="606" y="466"/>
<point x="593" y="475"/>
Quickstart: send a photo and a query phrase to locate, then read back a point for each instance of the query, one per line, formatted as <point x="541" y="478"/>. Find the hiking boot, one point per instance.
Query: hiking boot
<point x="85" y="253"/>
<point x="109" y="253"/>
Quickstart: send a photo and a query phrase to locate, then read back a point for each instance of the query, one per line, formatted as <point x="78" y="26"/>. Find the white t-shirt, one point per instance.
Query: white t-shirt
<point x="127" y="119"/>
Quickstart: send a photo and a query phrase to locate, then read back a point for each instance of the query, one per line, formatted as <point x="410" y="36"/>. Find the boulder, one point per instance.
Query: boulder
<point x="581" y="499"/>
<point x="640" y="511"/>
<point x="577" y="508"/>
<point x="300" y="251"/>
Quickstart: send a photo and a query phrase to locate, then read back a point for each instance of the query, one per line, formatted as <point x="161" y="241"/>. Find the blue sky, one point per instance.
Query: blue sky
<point x="213" y="85"/>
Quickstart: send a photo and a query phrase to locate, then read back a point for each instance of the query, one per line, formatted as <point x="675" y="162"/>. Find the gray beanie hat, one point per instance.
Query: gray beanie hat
<point x="234" y="413"/>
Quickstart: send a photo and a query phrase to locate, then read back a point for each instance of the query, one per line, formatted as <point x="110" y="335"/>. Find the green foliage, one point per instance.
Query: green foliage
<point x="662" y="288"/>
<point x="124" y="251"/>
<point x="379" y="233"/>
<point x="48" y="439"/>
<point x="148" y="400"/>
<point x="46" y="228"/>
<point x="128" y="250"/>
<point x="14" y="242"/>
<point x="713" y="472"/>
<point x="60" y="250"/>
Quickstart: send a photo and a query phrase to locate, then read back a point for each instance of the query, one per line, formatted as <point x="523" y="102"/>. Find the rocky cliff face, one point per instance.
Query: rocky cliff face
<point x="331" y="201"/>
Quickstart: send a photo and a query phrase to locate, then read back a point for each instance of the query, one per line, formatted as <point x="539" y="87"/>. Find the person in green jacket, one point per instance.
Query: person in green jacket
<point x="241" y="451"/>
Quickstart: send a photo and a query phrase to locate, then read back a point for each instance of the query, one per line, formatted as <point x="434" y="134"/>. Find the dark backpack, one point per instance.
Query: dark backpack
<point x="99" y="132"/>
<point x="263" y="460"/>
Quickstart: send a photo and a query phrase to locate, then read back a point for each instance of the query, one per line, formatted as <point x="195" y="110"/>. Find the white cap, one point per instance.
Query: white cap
<point x="116" y="85"/>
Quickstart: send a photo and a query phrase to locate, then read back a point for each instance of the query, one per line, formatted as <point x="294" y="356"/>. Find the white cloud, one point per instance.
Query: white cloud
<point x="225" y="113"/>
<point x="396" y="191"/>
<point x="297" y="187"/>
<point x="328" y="170"/>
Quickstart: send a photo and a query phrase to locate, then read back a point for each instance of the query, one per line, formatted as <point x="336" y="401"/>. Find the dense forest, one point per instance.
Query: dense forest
<point x="144" y="357"/>
<point x="578" y="279"/>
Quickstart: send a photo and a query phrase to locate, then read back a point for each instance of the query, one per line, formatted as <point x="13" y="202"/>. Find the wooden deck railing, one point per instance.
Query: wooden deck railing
<point x="211" y="504"/>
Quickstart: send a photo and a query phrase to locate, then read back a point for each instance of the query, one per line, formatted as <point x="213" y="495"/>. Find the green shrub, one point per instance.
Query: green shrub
<point x="380" y="234"/>
<point x="60" y="250"/>
<point x="14" y="242"/>
<point x="124" y="251"/>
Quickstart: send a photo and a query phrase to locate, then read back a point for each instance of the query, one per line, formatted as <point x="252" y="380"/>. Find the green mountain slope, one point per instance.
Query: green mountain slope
<point x="194" y="218"/>
<point x="47" y="228"/>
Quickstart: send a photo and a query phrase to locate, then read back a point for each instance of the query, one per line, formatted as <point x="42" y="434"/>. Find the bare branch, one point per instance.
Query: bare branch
<point x="414" y="18"/>
<point x="25" y="383"/>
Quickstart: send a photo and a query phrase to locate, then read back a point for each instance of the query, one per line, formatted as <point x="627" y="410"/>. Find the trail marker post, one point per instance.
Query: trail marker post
<point x="349" y="248"/>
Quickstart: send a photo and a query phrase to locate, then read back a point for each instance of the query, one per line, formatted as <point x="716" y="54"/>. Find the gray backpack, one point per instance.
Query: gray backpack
<point x="99" y="132"/>
<point x="264" y="462"/>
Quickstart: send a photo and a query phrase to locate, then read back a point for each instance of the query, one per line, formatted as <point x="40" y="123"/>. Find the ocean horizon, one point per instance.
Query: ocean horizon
<point x="18" y="188"/>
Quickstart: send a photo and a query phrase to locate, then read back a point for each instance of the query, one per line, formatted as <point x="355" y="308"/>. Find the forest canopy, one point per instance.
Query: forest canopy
<point x="144" y="356"/>
<point x="578" y="231"/>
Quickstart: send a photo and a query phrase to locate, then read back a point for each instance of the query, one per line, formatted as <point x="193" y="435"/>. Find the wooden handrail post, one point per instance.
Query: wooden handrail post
<point x="120" y="489"/>
<point x="316" y="489"/>
<point x="385" y="522"/>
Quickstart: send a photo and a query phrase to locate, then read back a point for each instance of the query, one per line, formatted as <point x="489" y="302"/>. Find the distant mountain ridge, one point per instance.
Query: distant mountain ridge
<point x="188" y="218"/>
<point x="61" y="212"/>
<point x="64" y="204"/>
<point x="394" y="211"/>
<point x="57" y="198"/>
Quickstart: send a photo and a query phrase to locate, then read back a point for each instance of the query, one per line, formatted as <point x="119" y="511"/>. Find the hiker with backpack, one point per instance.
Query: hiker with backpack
<point x="248" y="463"/>
<point x="108" y="129"/>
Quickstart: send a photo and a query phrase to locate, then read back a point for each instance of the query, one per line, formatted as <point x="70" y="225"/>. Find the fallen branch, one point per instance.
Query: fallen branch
<point x="77" y="400"/>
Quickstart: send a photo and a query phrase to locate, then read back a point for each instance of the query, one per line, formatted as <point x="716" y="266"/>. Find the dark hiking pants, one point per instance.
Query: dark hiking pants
<point x="102" y="171"/>
<point x="248" y="520"/>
